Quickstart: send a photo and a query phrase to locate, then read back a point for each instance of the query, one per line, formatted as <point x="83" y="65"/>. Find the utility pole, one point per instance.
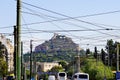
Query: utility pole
<point x="78" y="62"/>
<point x="31" y="59"/>
<point x="78" y="59"/>
<point x="108" y="56"/>
<point x="22" y="72"/>
<point x="15" y="50"/>
<point x="18" y="55"/>
<point x="34" y="65"/>
<point x="118" y="57"/>
<point x="24" y="76"/>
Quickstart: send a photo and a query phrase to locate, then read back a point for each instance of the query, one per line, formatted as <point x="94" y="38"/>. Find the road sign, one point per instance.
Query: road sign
<point x="117" y="75"/>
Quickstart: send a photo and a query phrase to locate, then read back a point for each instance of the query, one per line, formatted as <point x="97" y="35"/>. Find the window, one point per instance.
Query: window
<point x="62" y="74"/>
<point x="82" y="76"/>
<point x="75" y="76"/>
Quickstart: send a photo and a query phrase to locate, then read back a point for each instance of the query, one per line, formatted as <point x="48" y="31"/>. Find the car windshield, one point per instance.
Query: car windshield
<point x="62" y="74"/>
<point x="82" y="76"/>
<point x="75" y="76"/>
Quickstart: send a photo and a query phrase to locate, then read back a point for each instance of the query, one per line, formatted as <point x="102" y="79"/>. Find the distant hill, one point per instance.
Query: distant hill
<point x="59" y="47"/>
<point x="57" y="43"/>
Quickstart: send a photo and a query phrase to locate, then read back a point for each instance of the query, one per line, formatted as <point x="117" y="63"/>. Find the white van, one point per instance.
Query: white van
<point x="51" y="77"/>
<point x="62" y="76"/>
<point x="80" y="76"/>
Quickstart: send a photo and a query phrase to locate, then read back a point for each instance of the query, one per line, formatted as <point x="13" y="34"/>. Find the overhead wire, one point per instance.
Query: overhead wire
<point x="43" y="17"/>
<point x="94" y="30"/>
<point x="110" y="26"/>
<point x="62" y="31"/>
<point x="71" y="30"/>
<point x="66" y="30"/>
<point x="63" y="19"/>
<point x="69" y="17"/>
<point x="80" y="16"/>
<point x="106" y="29"/>
<point x="27" y="27"/>
<point x="6" y="27"/>
<point x="53" y="23"/>
<point x="55" y="18"/>
<point x="112" y="35"/>
<point x="78" y="37"/>
<point x="60" y="19"/>
<point x="8" y="34"/>
<point x="54" y="31"/>
<point x="74" y="17"/>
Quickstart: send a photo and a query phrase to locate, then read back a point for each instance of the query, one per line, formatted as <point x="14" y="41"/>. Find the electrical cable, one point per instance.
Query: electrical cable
<point x="71" y="30"/>
<point x="27" y="27"/>
<point x="6" y="27"/>
<point x="53" y="23"/>
<point x="69" y="17"/>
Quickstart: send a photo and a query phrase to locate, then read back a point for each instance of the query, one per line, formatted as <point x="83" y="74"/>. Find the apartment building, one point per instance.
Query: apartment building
<point x="8" y="52"/>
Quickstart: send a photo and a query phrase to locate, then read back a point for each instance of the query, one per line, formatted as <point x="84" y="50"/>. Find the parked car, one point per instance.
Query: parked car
<point x="51" y="77"/>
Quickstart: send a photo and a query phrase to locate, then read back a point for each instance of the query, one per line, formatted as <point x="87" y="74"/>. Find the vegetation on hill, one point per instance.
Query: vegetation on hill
<point x="59" y="47"/>
<point x="42" y="57"/>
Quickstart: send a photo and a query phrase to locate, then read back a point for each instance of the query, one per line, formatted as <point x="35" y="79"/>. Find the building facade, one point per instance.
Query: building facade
<point x="45" y="66"/>
<point x="8" y="53"/>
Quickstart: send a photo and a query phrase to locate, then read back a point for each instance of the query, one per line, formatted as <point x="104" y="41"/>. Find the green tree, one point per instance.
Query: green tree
<point x="56" y="69"/>
<point x="63" y="63"/>
<point x="95" y="53"/>
<point x="3" y="67"/>
<point x="103" y="56"/>
<point x="97" y="72"/>
<point x="87" y="52"/>
<point x="111" y="47"/>
<point x="2" y="50"/>
<point x="3" y="63"/>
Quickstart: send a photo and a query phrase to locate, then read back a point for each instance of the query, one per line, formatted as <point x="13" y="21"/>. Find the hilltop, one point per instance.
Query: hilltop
<point x="57" y="43"/>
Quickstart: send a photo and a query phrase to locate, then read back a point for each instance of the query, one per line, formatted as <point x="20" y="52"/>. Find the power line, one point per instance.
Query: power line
<point x="72" y="30"/>
<point x="27" y="27"/>
<point x="84" y="16"/>
<point x="36" y="12"/>
<point x="9" y="34"/>
<point x="72" y="18"/>
<point x="87" y="38"/>
<point x="6" y="27"/>
<point x="69" y="17"/>
<point x="53" y="23"/>
<point x="58" y="19"/>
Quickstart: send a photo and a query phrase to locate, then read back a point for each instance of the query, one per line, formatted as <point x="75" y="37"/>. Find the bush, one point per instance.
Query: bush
<point x="97" y="71"/>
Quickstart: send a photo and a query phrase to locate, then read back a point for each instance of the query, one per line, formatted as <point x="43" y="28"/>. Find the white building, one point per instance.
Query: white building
<point x="9" y="52"/>
<point x="41" y="66"/>
<point x="45" y="66"/>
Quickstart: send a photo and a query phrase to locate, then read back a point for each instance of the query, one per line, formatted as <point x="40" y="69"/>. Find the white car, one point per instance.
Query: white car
<point x="51" y="77"/>
<point x="80" y="76"/>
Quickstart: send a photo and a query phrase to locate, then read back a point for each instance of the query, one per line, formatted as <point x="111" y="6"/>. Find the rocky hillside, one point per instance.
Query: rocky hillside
<point x="57" y="43"/>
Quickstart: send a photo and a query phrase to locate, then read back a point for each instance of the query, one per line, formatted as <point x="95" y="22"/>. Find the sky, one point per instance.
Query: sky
<point x="40" y="19"/>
